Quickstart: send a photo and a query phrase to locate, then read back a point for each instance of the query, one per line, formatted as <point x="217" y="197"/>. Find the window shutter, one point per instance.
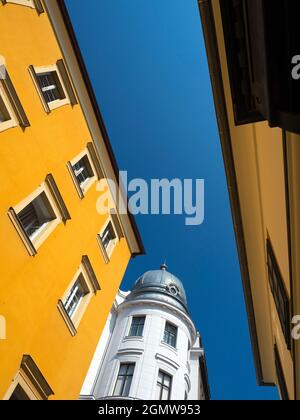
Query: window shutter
<point x="95" y="159"/>
<point x="39" y="7"/>
<point x="117" y="223"/>
<point x="37" y="84"/>
<point x="75" y="180"/>
<point x="36" y="377"/>
<point x="90" y="272"/>
<point x="18" y="225"/>
<point x="66" y="318"/>
<point x="67" y="82"/>
<point x="103" y="250"/>
<point x="57" y="198"/>
<point x="279" y="293"/>
<point x="14" y="99"/>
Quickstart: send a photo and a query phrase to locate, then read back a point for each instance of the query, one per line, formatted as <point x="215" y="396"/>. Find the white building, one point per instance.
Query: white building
<point x="150" y="348"/>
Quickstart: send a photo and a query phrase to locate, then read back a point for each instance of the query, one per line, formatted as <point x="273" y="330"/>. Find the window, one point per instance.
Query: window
<point x="170" y="335"/>
<point x="107" y="239"/>
<point x="11" y="110"/>
<point x="29" y="383"/>
<point x="53" y="85"/>
<point x="19" y="394"/>
<point x="83" y="172"/>
<point x="36" y="217"/>
<point x="279" y="293"/>
<point x="124" y="380"/>
<point x="76" y="295"/>
<point x="50" y="86"/>
<point x="137" y="326"/>
<point x="108" y="235"/>
<point x="280" y="376"/>
<point x="75" y="301"/>
<point x="246" y="105"/>
<point x="164" y="384"/>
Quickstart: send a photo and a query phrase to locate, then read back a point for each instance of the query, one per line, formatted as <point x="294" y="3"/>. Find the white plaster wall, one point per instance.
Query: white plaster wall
<point x="149" y="353"/>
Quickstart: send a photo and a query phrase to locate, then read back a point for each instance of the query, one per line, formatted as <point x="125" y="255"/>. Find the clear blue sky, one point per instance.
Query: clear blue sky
<point x="147" y="63"/>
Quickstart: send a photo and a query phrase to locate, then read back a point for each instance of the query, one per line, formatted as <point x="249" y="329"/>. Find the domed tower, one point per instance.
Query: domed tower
<point x="150" y="348"/>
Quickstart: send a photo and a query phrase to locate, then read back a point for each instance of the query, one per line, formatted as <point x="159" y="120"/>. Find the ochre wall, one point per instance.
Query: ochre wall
<point x="31" y="286"/>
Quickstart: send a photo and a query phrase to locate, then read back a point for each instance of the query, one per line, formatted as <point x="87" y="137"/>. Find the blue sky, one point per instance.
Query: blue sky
<point x="147" y="63"/>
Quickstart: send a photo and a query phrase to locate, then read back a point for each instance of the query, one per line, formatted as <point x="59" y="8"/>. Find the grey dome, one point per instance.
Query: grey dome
<point x="162" y="286"/>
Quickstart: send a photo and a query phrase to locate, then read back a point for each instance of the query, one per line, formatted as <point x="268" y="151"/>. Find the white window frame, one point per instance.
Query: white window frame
<point x="13" y="122"/>
<point x="80" y="311"/>
<point x="110" y="249"/>
<point x="22" y="380"/>
<point x="163" y="364"/>
<point x="163" y="342"/>
<point x="165" y="372"/>
<point x="130" y="325"/>
<point x="80" y="283"/>
<point x="90" y="181"/>
<point x="28" y="3"/>
<point x="59" y="102"/>
<point x="45" y="231"/>
<point x="114" y="384"/>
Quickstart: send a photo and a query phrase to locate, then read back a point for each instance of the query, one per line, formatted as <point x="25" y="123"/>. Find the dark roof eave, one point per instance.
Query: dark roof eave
<point x="204" y="376"/>
<point x="90" y="90"/>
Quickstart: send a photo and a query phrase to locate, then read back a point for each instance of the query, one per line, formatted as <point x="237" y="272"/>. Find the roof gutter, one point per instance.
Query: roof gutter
<point x="204" y="376"/>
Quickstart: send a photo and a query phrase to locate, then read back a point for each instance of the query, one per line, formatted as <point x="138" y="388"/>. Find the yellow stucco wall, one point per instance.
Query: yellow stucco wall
<point x="31" y="286"/>
<point x="259" y="165"/>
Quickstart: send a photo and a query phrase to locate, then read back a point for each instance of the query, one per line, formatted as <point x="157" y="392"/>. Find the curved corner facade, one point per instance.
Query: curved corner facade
<point x="150" y="349"/>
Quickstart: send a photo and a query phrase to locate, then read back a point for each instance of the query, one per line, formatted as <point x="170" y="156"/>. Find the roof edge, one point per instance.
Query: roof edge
<point x="81" y="63"/>
<point x="204" y="376"/>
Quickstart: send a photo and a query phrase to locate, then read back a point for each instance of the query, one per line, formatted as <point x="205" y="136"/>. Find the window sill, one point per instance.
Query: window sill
<point x="4" y="126"/>
<point x="57" y="104"/>
<point x="44" y="233"/>
<point x="168" y="346"/>
<point x="111" y="247"/>
<point x="25" y="3"/>
<point x="133" y="338"/>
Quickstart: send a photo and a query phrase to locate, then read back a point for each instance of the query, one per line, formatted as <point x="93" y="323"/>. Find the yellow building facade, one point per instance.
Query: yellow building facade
<point x="250" y="47"/>
<point x="61" y="261"/>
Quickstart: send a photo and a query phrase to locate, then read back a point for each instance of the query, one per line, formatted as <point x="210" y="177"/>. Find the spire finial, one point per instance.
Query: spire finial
<point x="164" y="266"/>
